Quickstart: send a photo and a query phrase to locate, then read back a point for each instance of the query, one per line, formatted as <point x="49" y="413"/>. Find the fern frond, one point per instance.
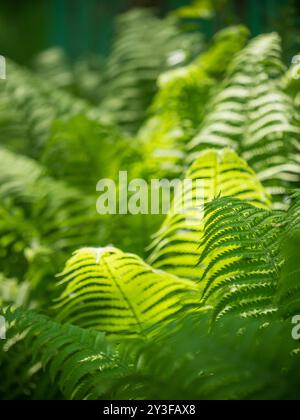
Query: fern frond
<point x="253" y="115"/>
<point x="180" y="103"/>
<point x="36" y="104"/>
<point x="241" y="256"/>
<point x="12" y="292"/>
<point x="81" y="151"/>
<point x="176" y="245"/>
<point x="288" y="293"/>
<point x="42" y="221"/>
<point x="78" y="363"/>
<point x="82" y="78"/>
<point x="119" y="294"/>
<point x="136" y="61"/>
<point x="239" y="359"/>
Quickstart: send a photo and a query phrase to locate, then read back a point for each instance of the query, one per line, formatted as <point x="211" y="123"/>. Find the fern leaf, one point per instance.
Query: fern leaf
<point x="241" y="256"/>
<point x="36" y="104"/>
<point x="73" y="357"/>
<point x="180" y="104"/>
<point x="118" y="293"/>
<point x="253" y="115"/>
<point x="136" y="61"/>
<point x="81" y="151"/>
<point x="239" y="359"/>
<point x="288" y="293"/>
<point x="42" y="221"/>
<point x="176" y="245"/>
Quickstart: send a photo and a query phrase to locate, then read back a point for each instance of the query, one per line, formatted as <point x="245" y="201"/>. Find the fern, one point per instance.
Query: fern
<point x="180" y="104"/>
<point x="36" y="104"/>
<point x="253" y="115"/>
<point x="287" y="296"/>
<point x="11" y="292"/>
<point x="118" y="293"/>
<point x="81" y="151"/>
<point x="79" y="362"/>
<point x="237" y="360"/>
<point x="176" y="245"/>
<point x="42" y="221"/>
<point x="82" y="78"/>
<point x="136" y="61"/>
<point x="241" y="256"/>
<point x="179" y="363"/>
<point x="210" y="314"/>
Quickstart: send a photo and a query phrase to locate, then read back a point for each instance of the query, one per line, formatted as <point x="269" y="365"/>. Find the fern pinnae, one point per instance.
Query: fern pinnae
<point x="176" y="245"/>
<point x="267" y="135"/>
<point x="119" y="293"/>
<point x="241" y="252"/>
<point x="72" y="356"/>
<point x="287" y="293"/>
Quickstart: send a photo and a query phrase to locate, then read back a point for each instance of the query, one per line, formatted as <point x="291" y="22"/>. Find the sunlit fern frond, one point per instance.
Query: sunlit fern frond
<point x="119" y="294"/>
<point x="176" y="247"/>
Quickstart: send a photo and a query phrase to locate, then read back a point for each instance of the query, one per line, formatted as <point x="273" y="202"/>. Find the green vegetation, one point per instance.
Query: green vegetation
<point x="193" y="305"/>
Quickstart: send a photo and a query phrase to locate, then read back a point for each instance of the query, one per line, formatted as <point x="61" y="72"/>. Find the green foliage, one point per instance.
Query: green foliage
<point x="144" y="47"/>
<point x="176" y="245"/>
<point x="42" y="221"/>
<point x="82" y="78"/>
<point x="181" y="103"/>
<point x="94" y="149"/>
<point x="289" y="284"/>
<point x="253" y="115"/>
<point x="237" y="360"/>
<point x="198" y="9"/>
<point x="78" y="362"/>
<point x="33" y="104"/>
<point x="119" y="294"/>
<point x="241" y="258"/>
<point x="208" y="316"/>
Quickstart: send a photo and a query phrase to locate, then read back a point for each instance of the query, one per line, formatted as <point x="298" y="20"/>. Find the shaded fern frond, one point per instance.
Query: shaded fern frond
<point x="288" y="293"/>
<point x="241" y="256"/>
<point x="82" y="78"/>
<point x="77" y="363"/>
<point x="239" y="359"/>
<point x="118" y="293"/>
<point x="80" y="151"/>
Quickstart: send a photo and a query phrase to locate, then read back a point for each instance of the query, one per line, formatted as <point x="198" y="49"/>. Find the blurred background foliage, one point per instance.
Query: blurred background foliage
<point x="87" y="26"/>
